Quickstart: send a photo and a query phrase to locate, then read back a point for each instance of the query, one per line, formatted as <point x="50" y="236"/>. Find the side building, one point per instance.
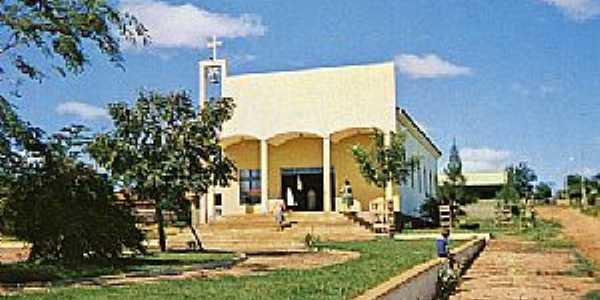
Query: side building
<point x="422" y="183"/>
<point x="482" y="185"/>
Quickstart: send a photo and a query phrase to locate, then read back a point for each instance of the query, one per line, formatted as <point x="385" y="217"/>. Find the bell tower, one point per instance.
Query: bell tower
<point x="212" y="73"/>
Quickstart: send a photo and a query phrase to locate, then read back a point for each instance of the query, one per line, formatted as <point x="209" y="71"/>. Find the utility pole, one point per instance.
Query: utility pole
<point x="583" y="192"/>
<point x="583" y="185"/>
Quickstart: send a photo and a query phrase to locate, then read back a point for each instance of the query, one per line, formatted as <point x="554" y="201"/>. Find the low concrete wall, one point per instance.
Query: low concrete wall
<point x="434" y="236"/>
<point x="420" y="282"/>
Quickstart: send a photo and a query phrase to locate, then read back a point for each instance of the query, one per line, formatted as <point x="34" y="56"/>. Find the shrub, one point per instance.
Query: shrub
<point x="68" y="213"/>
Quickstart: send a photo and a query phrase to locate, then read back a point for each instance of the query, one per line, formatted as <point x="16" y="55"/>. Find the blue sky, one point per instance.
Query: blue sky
<point x="511" y="80"/>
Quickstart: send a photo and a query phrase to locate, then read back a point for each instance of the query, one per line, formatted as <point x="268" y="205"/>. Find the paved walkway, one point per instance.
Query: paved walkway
<point x="513" y="269"/>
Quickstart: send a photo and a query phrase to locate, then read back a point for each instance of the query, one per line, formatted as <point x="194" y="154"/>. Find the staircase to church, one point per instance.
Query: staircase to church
<point x="259" y="233"/>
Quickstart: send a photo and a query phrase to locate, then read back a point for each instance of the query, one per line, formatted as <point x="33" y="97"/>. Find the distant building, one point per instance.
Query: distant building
<point x="483" y="185"/>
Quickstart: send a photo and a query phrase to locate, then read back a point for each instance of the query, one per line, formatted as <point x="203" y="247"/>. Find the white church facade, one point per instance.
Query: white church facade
<point x="291" y="136"/>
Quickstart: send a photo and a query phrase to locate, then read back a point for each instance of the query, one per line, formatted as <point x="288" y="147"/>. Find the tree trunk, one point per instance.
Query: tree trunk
<point x="162" y="239"/>
<point x="196" y="237"/>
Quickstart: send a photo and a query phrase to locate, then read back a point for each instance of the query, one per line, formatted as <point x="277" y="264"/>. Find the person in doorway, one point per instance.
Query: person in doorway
<point x="347" y="197"/>
<point x="311" y="198"/>
<point x="290" y="197"/>
<point x="278" y="213"/>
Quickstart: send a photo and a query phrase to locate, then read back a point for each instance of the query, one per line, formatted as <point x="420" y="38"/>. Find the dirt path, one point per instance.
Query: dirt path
<point x="582" y="229"/>
<point x="514" y="269"/>
<point x="11" y="252"/>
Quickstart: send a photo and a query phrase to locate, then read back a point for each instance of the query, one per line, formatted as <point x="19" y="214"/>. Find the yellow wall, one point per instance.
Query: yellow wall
<point x="346" y="167"/>
<point x="295" y="153"/>
<point x="245" y="155"/>
<point x="304" y="152"/>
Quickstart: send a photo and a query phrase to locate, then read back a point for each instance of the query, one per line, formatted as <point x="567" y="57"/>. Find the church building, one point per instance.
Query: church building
<point x="291" y="137"/>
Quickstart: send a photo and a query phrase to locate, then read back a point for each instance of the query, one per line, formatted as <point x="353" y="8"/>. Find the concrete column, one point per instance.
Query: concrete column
<point x="264" y="175"/>
<point x="202" y="84"/>
<point x="204" y="209"/>
<point x="210" y="206"/>
<point x="326" y="174"/>
<point x="389" y="185"/>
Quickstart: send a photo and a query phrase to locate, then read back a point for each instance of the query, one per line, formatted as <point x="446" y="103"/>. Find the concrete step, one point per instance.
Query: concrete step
<point x="259" y="233"/>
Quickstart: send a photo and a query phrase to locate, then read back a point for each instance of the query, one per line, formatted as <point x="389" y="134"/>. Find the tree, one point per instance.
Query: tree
<point x="576" y="184"/>
<point x="60" y="33"/>
<point x="162" y="149"/>
<point x="518" y="185"/>
<point x="452" y="192"/>
<point x="522" y="178"/>
<point x="382" y="164"/>
<point x="510" y="196"/>
<point x="66" y="210"/>
<point x="542" y="191"/>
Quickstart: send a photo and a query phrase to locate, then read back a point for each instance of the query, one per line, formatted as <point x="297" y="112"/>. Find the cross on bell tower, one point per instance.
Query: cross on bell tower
<point x="214" y="44"/>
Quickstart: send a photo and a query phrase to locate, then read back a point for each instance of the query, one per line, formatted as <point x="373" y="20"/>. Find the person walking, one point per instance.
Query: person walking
<point x="347" y="197"/>
<point x="278" y="213"/>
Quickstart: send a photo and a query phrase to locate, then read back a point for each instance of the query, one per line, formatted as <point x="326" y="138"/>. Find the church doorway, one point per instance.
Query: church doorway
<point x="302" y="188"/>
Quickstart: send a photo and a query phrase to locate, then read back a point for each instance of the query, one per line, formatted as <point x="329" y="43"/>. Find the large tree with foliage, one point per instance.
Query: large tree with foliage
<point x="519" y="184"/>
<point x="43" y="37"/>
<point x="522" y="177"/>
<point x="577" y="183"/>
<point x="65" y="209"/>
<point x="383" y="163"/>
<point x="162" y="149"/>
<point x="542" y="191"/>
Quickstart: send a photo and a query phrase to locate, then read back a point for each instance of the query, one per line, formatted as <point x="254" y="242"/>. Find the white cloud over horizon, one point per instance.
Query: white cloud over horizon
<point x="428" y="66"/>
<point x="187" y="25"/>
<point x="578" y="10"/>
<point x="484" y="159"/>
<point x="82" y="110"/>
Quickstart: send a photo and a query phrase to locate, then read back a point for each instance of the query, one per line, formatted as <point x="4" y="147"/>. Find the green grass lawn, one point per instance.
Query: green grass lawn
<point x="379" y="260"/>
<point x="152" y="264"/>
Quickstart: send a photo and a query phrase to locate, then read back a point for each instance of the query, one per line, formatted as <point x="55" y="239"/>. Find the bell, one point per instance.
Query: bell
<point x="214" y="75"/>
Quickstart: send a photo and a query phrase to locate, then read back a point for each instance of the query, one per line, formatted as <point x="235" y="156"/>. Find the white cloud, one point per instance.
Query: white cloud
<point x="588" y="172"/>
<point x="189" y="26"/>
<point x="543" y="90"/>
<point x="82" y="110"/>
<point x="520" y="89"/>
<point x="484" y="159"/>
<point x="243" y="58"/>
<point x="428" y="66"/>
<point x="578" y="10"/>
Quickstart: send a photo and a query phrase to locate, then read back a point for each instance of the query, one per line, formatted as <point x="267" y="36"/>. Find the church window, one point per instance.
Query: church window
<point x="431" y="184"/>
<point x="250" y="186"/>
<point x="412" y="176"/>
<point x="420" y="179"/>
<point x="425" y="183"/>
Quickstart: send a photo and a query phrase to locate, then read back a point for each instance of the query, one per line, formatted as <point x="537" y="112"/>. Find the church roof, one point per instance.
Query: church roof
<point x="420" y="131"/>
